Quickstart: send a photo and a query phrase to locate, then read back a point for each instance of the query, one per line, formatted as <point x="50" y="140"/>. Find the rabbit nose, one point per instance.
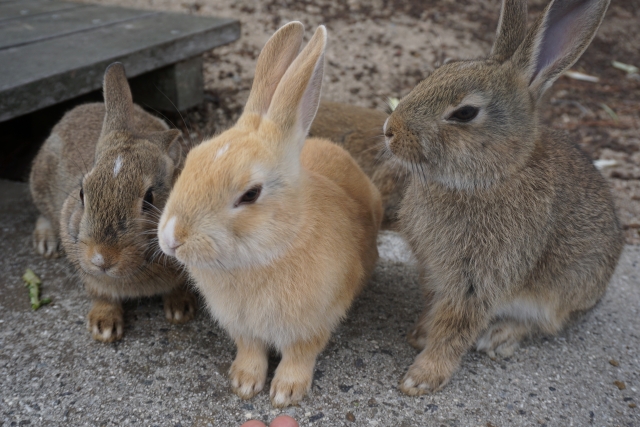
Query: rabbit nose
<point x="168" y="240"/>
<point x="97" y="259"/>
<point x="388" y="133"/>
<point x="101" y="260"/>
<point x="385" y="130"/>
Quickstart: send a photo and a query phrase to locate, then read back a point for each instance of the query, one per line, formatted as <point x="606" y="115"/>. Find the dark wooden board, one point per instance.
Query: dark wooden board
<point x="35" y="28"/>
<point x="23" y="8"/>
<point x="37" y="75"/>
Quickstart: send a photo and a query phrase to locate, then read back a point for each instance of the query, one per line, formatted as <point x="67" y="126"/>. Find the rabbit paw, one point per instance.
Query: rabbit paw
<point x="502" y="338"/>
<point x="45" y="240"/>
<point x="417" y="338"/>
<point x="246" y="383"/>
<point x="425" y="376"/>
<point x="288" y="389"/>
<point x="179" y="305"/>
<point x="106" y="321"/>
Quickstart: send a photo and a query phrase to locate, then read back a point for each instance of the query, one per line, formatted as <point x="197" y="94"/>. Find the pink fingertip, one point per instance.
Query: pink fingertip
<point x="284" y="421"/>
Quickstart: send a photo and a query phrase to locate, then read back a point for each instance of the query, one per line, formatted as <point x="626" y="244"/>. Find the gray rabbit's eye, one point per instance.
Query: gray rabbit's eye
<point x="464" y="114"/>
<point x="82" y="196"/>
<point x="147" y="203"/>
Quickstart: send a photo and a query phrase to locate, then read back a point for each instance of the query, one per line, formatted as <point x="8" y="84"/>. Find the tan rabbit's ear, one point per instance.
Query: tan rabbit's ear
<point x="117" y="99"/>
<point x="557" y="39"/>
<point x="276" y="56"/>
<point x="296" y="99"/>
<point x="512" y="28"/>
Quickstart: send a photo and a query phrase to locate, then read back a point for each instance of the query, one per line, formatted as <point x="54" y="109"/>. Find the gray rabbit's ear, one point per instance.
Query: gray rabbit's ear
<point x="117" y="99"/>
<point x="557" y="39"/>
<point x="512" y="28"/>
<point x="164" y="138"/>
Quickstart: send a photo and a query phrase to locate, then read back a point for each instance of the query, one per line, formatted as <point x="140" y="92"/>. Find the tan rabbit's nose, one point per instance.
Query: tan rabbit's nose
<point x="171" y="237"/>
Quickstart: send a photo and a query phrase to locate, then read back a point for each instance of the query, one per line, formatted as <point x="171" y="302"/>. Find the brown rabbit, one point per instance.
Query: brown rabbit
<point x="359" y="131"/>
<point x="100" y="181"/>
<point x="513" y="226"/>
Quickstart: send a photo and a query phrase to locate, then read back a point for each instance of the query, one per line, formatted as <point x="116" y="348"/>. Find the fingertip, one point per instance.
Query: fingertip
<point x="284" y="421"/>
<point x="253" y="423"/>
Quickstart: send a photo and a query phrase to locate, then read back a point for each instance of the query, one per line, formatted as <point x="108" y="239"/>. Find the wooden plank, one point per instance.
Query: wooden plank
<point x="47" y="26"/>
<point x="176" y="87"/>
<point x="37" y="75"/>
<point x="24" y="8"/>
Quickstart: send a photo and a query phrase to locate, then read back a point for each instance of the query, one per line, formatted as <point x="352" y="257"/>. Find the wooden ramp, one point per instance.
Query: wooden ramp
<point x="52" y="51"/>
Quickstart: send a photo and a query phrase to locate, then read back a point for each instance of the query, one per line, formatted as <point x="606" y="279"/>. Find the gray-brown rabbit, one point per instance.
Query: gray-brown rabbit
<point x="359" y="131"/>
<point x="100" y="181"/>
<point x="513" y="227"/>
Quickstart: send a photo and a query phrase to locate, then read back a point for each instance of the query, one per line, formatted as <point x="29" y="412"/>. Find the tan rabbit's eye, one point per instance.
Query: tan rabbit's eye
<point x="464" y="114"/>
<point x="147" y="203"/>
<point x="82" y="196"/>
<point x="250" y="196"/>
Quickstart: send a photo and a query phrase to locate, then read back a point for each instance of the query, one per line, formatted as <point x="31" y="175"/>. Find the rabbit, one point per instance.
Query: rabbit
<point x="277" y="231"/>
<point x="359" y="131"/>
<point x="99" y="182"/>
<point x="514" y="229"/>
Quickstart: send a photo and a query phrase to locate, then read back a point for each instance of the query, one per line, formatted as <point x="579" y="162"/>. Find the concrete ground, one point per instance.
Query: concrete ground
<point x="53" y="373"/>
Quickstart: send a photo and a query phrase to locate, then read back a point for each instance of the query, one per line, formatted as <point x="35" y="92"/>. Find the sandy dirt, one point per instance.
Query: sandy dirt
<point x="383" y="48"/>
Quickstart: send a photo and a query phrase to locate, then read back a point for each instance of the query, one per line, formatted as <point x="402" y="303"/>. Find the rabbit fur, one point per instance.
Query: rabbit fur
<point x="99" y="182"/>
<point x="278" y="232"/>
<point x="513" y="227"/>
<point x="359" y="131"/>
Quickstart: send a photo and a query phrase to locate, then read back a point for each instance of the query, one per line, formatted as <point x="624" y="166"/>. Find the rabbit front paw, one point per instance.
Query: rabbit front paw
<point x="417" y="338"/>
<point x="426" y="375"/>
<point x="289" y="388"/>
<point x="106" y="321"/>
<point x="45" y="240"/>
<point x="502" y="338"/>
<point x="180" y="305"/>
<point x="246" y="383"/>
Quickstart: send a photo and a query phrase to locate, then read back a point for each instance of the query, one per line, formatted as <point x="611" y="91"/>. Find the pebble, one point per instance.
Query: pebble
<point x="352" y="418"/>
<point x="316" y="417"/>
<point x="614" y="362"/>
<point x="620" y="385"/>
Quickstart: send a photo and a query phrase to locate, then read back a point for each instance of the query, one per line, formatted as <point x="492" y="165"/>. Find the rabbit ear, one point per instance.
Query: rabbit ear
<point x="117" y="99"/>
<point x="297" y="97"/>
<point x="276" y="56"/>
<point x="557" y="39"/>
<point x="164" y="138"/>
<point x="512" y="27"/>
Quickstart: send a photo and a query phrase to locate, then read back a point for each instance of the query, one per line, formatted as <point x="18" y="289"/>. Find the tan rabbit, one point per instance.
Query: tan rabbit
<point x="100" y="181"/>
<point x="278" y="233"/>
<point x="359" y="131"/>
<point x="513" y="226"/>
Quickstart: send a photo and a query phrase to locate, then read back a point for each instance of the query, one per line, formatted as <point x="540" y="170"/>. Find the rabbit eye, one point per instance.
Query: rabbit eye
<point x="464" y="114"/>
<point x="82" y="196"/>
<point x="147" y="203"/>
<point x="250" y="196"/>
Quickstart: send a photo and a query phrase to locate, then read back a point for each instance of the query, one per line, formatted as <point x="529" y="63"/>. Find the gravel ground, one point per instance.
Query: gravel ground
<point x="53" y="373"/>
